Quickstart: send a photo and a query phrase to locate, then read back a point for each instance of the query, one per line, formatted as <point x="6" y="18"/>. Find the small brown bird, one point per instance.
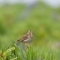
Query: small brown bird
<point x="26" y="39"/>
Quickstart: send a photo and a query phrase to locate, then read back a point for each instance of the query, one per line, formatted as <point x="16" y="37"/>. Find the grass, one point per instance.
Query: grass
<point x="31" y="53"/>
<point x="45" y="29"/>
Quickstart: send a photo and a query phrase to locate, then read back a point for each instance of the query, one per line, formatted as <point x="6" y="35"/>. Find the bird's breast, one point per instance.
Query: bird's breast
<point x="27" y="40"/>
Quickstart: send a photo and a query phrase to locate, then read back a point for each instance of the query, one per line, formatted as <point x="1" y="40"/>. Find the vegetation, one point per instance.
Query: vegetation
<point x="45" y="28"/>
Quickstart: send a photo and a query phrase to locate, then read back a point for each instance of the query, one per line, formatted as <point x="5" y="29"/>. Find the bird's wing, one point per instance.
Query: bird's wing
<point x="23" y="38"/>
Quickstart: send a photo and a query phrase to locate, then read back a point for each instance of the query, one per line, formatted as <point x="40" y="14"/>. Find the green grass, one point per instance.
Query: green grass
<point x="31" y="53"/>
<point x="45" y="29"/>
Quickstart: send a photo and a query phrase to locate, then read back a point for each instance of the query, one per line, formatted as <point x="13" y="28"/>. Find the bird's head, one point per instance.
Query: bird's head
<point x="30" y="33"/>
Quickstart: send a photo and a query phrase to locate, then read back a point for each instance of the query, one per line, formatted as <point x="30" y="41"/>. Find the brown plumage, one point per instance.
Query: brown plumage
<point x="27" y="38"/>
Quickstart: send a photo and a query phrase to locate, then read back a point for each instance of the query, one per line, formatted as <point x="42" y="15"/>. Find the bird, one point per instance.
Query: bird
<point x="26" y="39"/>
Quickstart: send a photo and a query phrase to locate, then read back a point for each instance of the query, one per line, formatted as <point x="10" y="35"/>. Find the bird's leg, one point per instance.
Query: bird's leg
<point x="26" y="45"/>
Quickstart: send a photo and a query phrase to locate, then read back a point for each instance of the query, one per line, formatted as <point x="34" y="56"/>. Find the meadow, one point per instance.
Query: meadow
<point x="46" y="31"/>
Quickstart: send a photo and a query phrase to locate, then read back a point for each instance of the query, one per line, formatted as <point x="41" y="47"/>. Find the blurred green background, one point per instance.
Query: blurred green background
<point x="42" y="21"/>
